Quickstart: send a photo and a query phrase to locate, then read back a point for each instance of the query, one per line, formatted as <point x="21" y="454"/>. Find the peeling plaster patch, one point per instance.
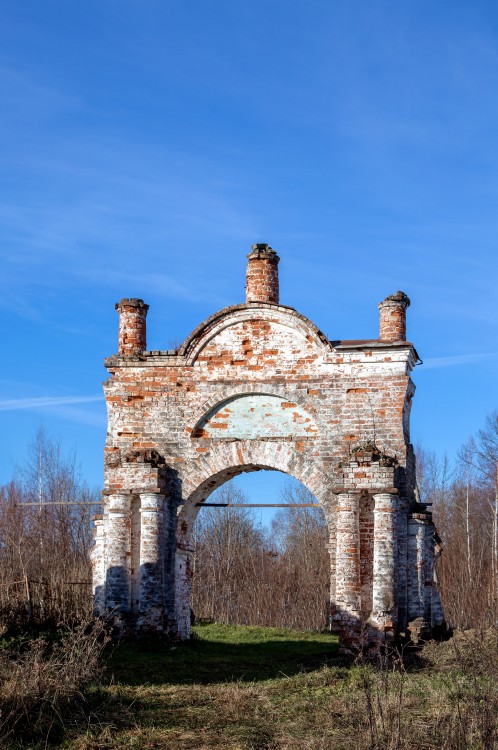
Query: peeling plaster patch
<point x="254" y="416"/>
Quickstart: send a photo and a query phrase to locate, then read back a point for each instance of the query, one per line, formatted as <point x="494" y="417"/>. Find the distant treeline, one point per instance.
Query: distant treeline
<point x="244" y="572"/>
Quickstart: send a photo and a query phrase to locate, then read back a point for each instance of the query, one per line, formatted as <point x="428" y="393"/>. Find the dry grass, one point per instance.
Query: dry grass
<point x="42" y="683"/>
<point x="268" y="689"/>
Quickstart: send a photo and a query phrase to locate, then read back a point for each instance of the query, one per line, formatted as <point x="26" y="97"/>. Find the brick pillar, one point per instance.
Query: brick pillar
<point x="332" y="548"/>
<point x="402" y="565"/>
<point x="97" y="557"/>
<point x="384" y="611"/>
<point x="419" y="575"/>
<point x="132" y="338"/>
<point x="348" y="584"/>
<point x="393" y="317"/>
<point x="151" y="587"/>
<point x="183" y="587"/>
<point x="118" y="556"/>
<point x="262" y="275"/>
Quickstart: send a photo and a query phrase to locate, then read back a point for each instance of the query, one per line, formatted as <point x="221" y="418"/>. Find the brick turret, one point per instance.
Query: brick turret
<point x="262" y="275"/>
<point x="132" y="326"/>
<point x="393" y="317"/>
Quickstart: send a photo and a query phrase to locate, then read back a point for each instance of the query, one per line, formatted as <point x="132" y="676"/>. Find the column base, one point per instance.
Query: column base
<point x="348" y="626"/>
<point x="154" y="624"/>
<point x="383" y="622"/>
<point x="151" y="622"/>
<point x="419" y="630"/>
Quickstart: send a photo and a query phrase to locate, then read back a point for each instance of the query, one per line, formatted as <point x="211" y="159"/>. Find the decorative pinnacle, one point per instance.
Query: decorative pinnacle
<point x="400" y="298"/>
<point x="263" y="250"/>
<point x="131" y="302"/>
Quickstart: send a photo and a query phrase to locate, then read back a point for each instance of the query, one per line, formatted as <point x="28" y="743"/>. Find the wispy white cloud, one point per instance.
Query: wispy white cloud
<point x="45" y="402"/>
<point x="460" y="359"/>
<point x="90" y="417"/>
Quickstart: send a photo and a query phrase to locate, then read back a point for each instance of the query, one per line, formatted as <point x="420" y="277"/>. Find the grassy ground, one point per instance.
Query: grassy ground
<point x="269" y="689"/>
<point x="223" y="653"/>
<point x="230" y="687"/>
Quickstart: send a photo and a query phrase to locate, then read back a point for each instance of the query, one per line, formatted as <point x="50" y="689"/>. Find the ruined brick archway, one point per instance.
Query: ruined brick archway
<point x="258" y="385"/>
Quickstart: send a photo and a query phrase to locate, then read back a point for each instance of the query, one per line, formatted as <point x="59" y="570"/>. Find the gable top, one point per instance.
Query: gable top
<point x="234" y="314"/>
<point x="262" y="303"/>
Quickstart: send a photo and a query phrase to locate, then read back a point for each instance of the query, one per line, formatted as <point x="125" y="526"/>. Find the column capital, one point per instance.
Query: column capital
<point x="385" y="491"/>
<point x="385" y="501"/>
<point x="119" y="503"/>
<point x="346" y="491"/>
<point x="151" y="502"/>
<point x="371" y="491"/>
<point x="420" y="517"/>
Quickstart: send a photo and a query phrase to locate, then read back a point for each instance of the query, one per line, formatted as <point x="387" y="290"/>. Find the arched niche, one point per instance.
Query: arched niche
<point x="253" y="416"/>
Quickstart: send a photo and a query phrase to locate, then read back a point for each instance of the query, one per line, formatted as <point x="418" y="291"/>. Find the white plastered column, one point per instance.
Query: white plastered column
<point x="332" y="549"/>
<point x="420" y="557"/>
<point x="402" y="563"/>
<point x="97" y="557"/>
<point x="118" y="556"/>
<point x="347" y="562"/>
<point x="151" y="575"/>
<point x="416" y="533"/>
<point x="183" y="589"/>
<point x="384" y="605"/>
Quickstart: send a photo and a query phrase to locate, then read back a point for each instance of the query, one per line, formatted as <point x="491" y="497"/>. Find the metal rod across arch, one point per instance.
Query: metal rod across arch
<point x="257" y="505"/>
<point x="197" y="505"/>
<point x="62" y="502"/>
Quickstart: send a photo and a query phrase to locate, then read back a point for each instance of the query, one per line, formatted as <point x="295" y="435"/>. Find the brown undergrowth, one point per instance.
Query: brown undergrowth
<point x="270" y="689"/>
<point x="42" y="683"/>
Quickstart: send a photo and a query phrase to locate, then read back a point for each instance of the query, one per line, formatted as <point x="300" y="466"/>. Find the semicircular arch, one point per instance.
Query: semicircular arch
<point x="285" y="316"/>
<point x="206" y="474"/>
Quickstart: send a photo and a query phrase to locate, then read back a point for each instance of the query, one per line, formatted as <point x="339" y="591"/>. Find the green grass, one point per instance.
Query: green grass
<point x="222" y="653"/>
<point x="247" y="688"/>
<point x="229" y="687"/>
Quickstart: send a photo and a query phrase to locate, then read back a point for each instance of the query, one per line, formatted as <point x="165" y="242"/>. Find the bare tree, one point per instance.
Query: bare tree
<point x="465" y="505"/>
<point x="248" y="574"/>
<point x="44" y="549"/>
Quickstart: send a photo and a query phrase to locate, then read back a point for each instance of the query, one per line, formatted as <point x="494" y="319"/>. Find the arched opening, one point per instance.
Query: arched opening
<point x="245" y="565"/>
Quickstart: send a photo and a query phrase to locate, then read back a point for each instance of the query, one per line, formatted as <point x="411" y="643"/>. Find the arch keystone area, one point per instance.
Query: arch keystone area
<point x="259" y="386"/>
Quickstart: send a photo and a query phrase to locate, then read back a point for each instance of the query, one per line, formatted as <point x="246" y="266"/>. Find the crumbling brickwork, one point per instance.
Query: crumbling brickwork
<point x="262" y="275"/>
<point x="258" y="386"/>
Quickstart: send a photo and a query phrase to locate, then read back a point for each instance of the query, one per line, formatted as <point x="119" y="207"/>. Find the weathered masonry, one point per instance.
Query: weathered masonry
<point x="258" y="386"/>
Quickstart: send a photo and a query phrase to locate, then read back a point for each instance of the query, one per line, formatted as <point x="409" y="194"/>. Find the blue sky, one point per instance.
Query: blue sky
<point x="146" y="145"/>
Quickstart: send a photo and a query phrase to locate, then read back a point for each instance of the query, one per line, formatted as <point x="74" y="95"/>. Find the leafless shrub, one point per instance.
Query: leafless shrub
<point x="446" y="698"/>
<point x="45" y="573"/>
<point x="382" y="682"/>
<point x="41" y="686"/>
<point x="465" y="506"/>
<point x="465" y="701"/>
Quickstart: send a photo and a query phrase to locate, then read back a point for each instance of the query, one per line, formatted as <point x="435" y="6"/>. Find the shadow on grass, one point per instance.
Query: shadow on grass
<point x="221" y="654"/>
